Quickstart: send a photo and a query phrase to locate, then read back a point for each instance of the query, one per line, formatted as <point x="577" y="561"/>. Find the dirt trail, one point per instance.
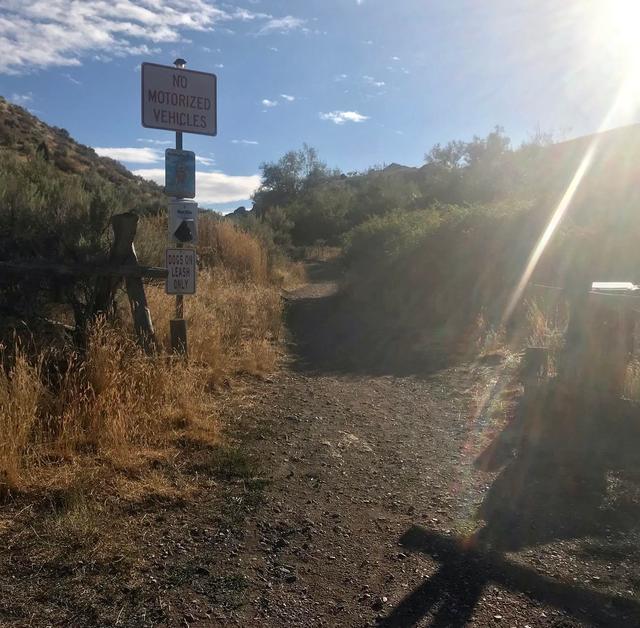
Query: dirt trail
<point x="354" y="498"/>
<point x="372" y="486"/>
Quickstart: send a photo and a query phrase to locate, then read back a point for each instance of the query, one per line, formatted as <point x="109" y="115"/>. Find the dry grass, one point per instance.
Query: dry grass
<point x="151" y="240"/>
<point x="289" y="275"/>
<point x="234" y="326"/>
<point x="21" y="390"/>
<point x="545" y="325"/>
<point x="110" y="401"/>
<point x="106" y="402"/>
<point x="222" y="243"/>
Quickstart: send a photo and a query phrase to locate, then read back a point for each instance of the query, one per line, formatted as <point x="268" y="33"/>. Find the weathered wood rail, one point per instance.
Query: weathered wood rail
<point x="122" y="265"/>
<point x="84" y="270"/>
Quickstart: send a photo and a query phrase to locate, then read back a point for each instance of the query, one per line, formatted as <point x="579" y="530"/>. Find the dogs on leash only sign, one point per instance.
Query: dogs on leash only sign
<point x="181" y="267"/>
<point x="176" y="99"/>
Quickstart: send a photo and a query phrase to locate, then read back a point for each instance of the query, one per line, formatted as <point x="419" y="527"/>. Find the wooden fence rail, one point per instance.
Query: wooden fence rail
<point x="83" y="270"/>
<point x="122" y="264"/>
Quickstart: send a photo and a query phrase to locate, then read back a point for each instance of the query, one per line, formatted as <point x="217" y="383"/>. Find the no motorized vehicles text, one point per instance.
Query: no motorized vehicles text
<point x="176" y="99"/>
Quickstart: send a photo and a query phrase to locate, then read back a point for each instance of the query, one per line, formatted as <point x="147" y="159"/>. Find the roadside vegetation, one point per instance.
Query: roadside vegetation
<point x="96" y="435"/>
<point x="75" y="388"/>
<point x="433" y="254"/>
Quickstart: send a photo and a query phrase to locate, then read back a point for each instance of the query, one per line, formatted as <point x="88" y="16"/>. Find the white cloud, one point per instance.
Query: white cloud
<point x="248" y="142"/>
<point x="131" y="155"/>
<point x="247" y="16"/>
<point x="205" y="161"/>
<point x="21" y="99"/>
<point x="282" y="25"/>
<point x="269" y="103"/>
<point x="43" y="33"/>
<point x="395" y="58"/>
<point x="71" y="79"/>
<point x="372" y="81"/>
<point x="144" y="140"/>
<point x="287" y="97"/>
<point x="273" y="49"/>
<point x="340" y="117"/>
<point x="341" y="77"/>
<point x="212" y="187"/>
<point x="219" y="65"/>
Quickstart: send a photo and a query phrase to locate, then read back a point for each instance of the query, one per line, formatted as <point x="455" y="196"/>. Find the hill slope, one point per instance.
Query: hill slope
<point x="24" y="135"/>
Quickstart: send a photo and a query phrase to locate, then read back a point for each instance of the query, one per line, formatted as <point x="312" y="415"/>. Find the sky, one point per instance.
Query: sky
<point x="365" y="82"/>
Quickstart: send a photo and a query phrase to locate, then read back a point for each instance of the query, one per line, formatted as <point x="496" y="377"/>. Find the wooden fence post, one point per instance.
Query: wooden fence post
<point x="123" y="253"/>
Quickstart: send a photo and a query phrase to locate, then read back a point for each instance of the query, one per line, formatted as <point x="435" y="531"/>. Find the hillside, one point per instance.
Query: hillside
<point x="24" y="135"/>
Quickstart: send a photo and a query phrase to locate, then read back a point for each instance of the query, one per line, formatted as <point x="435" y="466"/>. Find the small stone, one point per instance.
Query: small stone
<point x="377" y="604"/>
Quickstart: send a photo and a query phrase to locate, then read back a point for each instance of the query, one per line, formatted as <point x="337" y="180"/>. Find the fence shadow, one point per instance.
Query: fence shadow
<point x="453" y="592"/>
<point x="556" y="459"/>
<point x="557" y="456"/>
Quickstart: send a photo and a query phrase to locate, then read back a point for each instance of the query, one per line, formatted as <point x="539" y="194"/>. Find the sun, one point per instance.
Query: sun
<point x="622" y="20"/>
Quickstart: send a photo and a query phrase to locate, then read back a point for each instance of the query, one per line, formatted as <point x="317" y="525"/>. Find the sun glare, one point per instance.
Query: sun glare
<point x="622" y="20"/>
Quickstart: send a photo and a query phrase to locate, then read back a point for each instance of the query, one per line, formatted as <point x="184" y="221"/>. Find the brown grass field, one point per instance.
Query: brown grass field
<point x="60" y="407"/>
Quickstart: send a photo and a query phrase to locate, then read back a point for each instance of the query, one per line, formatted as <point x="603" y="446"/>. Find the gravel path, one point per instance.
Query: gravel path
<point x="358" y="495"/>
<point x="376" y="512"/>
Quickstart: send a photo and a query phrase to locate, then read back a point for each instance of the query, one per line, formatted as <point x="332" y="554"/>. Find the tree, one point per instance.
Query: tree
<point x="283" y="181"/>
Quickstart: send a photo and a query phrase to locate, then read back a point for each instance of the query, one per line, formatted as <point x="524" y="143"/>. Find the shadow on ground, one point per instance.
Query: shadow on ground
<point x="327" y="336"/>
<point x="569" y="469"/>
<point x="453" y="592"/>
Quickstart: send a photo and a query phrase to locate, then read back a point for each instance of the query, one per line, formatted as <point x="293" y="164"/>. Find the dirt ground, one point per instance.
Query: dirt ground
<point x="367" y="498"/>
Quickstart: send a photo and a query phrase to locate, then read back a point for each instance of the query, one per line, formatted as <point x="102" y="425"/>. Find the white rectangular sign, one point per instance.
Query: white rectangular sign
<point x="176" y="99"/>
<point x="183" y="222"/>
<point x="181" y="265"/>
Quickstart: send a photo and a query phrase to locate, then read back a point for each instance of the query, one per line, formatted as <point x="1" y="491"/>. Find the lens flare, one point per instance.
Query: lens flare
<point x="565" y="202"/>
<point x="622" y="17"/>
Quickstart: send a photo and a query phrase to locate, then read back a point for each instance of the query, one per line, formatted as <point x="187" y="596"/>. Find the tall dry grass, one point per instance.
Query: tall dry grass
<point x="21" y="390"/>
<point x="223" y="244"/>
<point x="220" y="244"/>
<point x="233" y="325"/>
<point x="105" y="401"/>
<point x="110" y="399"/>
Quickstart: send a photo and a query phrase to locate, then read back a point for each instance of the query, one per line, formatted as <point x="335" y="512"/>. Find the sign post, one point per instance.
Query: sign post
<point x="184" y="101"/>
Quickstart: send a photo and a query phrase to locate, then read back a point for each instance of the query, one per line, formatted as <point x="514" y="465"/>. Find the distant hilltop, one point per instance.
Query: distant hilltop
<point x="24" y="134"/>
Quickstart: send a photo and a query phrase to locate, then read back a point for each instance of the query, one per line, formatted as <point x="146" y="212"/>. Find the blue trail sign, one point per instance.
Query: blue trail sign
<point x="180" y="173"/>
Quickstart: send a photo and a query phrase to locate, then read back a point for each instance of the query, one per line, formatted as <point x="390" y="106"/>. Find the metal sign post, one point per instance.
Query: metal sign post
<point x="178" y="326"/>
<point x="184" y="101"/>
